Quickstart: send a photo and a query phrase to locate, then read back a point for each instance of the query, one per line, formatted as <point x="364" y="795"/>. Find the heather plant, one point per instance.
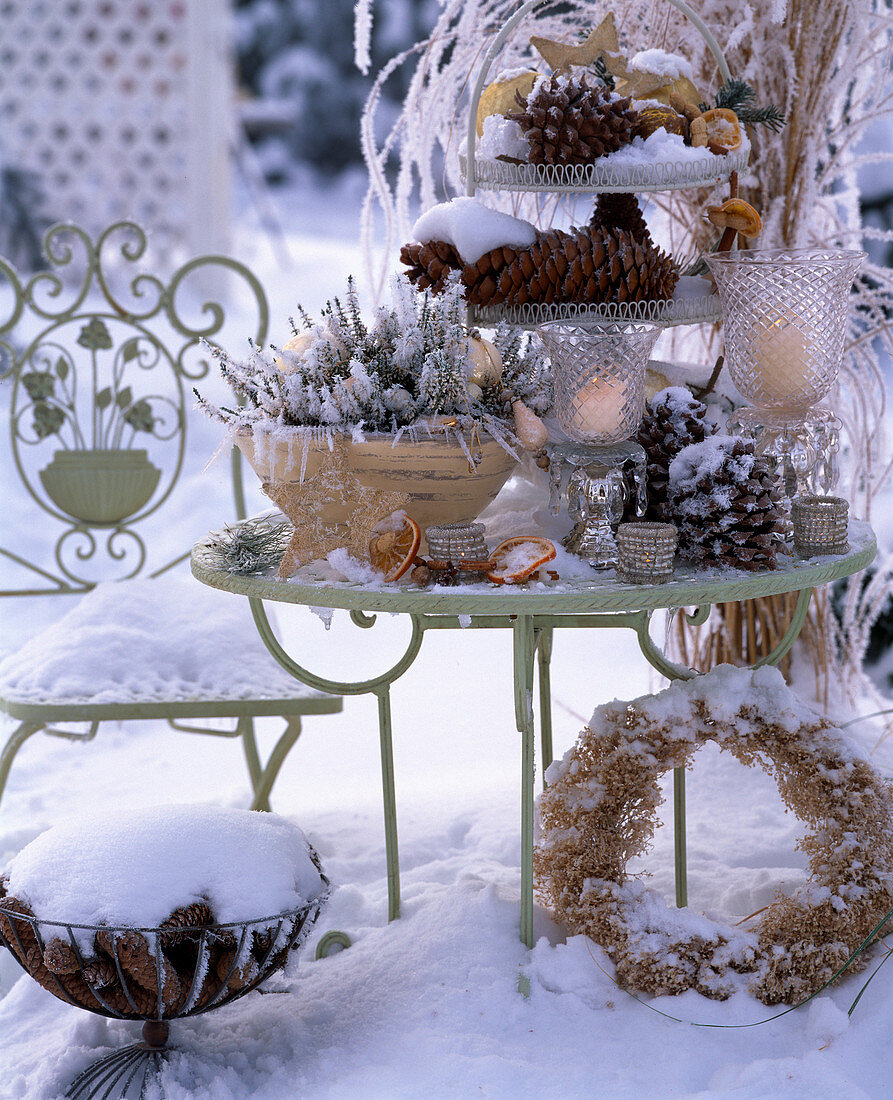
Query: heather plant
<point x="411" y="362"/>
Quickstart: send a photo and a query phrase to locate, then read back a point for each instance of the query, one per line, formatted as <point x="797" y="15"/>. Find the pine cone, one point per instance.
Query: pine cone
<point x="59" y="957"/>
<point x="141" y="968"/>
<point x="236" y="977"/>
<point x="725" y="502"/>
<point x="261" y="942"/>
<point x="620" y="210"/>
<point x="186" y="923"/>
<point x="673" y="419"/>
<point x="567" y="122"/>
<point x="100" y="972"/>
<point x="145" y="1001"/>
<point x="21" y="939"/>
<point x="584" y="265"/>
<point x="430" y="264"/>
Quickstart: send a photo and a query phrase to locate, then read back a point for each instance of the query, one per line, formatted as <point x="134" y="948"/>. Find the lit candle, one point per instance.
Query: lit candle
<point x="786" y="362"/>
<point x="597" y="411"/>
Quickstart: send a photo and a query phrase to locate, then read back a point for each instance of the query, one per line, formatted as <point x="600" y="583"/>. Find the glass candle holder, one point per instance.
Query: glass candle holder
<point x="600" y="485"/>
<point x="645" y="552"/>
<point x="784" y="318"/>
<point x="805" y="448"/>
<point x="820" y="525"/>
<point x="599" y="373"/>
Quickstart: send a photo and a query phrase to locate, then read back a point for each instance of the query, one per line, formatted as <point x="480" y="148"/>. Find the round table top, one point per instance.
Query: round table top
<point x="690" y="586"/>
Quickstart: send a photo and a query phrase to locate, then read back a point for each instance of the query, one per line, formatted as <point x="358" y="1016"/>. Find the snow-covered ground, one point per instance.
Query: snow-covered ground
<point x="428" y="1005"/>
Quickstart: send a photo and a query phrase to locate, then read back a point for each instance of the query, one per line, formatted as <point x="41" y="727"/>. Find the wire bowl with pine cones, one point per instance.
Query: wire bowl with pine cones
<point x="187" y="965"/>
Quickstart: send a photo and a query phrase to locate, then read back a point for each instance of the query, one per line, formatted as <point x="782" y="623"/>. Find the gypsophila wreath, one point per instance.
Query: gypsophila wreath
<point x="599" y="810"/>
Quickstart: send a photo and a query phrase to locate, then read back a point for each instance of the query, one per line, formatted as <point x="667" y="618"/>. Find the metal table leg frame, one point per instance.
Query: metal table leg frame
<point x="524" y="642"/>
<point x="378" y="686"/>
<point x="16" y="739"/>
<point x="266" y="777"/>
<point x="544" y="661"/>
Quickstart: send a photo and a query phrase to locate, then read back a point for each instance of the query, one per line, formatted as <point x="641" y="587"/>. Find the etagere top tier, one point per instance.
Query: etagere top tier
<point x="693" y="306"/>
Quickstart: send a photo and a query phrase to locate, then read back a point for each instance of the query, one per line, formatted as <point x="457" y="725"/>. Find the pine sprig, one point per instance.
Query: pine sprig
<point x="738" y="96"/>
<point x="763" y="116"/>
<point x="255" y="546"/>
<point x="600" y="71"/>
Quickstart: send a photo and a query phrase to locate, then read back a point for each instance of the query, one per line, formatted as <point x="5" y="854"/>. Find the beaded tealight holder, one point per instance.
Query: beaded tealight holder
<point x="820" y="525"/>
<point x="458" y="542"/>
<point x="645" y="552"/>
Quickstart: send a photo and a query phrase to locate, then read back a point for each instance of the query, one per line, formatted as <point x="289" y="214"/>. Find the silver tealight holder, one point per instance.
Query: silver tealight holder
<point x="820" y="525"/>
<point x="645" y="552"/>
<point x="458" y="542"/>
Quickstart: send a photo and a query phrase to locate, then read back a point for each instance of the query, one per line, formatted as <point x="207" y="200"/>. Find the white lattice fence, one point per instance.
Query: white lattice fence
<point x="123" y="109"/>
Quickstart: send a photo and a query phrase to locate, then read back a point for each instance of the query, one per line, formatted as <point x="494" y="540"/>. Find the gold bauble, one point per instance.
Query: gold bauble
<point x="682" y="87"/>
<point x="655" y="118"/>
<point x="655" y="382"/>
<point x="486" y="362"/>
<point x="643" y="85"/>
<point x="498" y="98"/>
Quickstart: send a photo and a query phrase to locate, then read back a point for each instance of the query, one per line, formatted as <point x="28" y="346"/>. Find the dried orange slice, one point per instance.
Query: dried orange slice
<point x="515" y="559"/>
<point x="393" y="545"/>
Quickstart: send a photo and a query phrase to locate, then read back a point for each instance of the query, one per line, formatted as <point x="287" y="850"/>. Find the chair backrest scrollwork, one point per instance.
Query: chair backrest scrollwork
<point x="99" y="360"/>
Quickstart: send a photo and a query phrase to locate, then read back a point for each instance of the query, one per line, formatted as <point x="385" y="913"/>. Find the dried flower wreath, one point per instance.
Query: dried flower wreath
<point x="599" y="810"/>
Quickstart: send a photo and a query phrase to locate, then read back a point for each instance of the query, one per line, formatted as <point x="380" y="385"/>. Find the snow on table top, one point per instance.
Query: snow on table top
<point x="147" y="640"/>
<point x="135" y="867"/>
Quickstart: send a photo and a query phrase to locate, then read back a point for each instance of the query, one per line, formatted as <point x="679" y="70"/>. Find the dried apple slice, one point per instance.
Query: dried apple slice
<point x="393" y="545"/>
<point x="517" y="558"/>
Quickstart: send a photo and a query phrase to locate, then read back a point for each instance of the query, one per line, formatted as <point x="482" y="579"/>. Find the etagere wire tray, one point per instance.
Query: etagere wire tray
<point x="603" y="175"/>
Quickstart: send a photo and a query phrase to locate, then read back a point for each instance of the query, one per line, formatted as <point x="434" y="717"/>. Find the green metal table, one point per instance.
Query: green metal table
<point x="532" y="614"/>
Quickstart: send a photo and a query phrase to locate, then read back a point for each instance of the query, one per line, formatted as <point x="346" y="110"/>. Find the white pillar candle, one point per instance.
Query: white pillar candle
<point x="598" y="410"/>
<point x="786" y="363"/>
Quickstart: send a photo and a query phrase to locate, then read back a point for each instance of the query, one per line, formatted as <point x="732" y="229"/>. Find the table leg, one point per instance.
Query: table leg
<point x="681" y="863"/>
<point x="523" y="646"/>
<point x="544" y="659"/>
<point x="389" y="801"/>
<point x="378" y="686"/>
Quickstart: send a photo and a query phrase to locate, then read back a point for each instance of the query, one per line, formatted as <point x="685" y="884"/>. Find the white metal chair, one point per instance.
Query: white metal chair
<point x="99" y="383"/>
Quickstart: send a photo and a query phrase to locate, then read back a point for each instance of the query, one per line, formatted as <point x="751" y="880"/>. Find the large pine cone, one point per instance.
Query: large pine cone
<point x="567" y="122"/>
<point x="673" y="419"/>
<point x="430" y="264"/>
<point x="725" y="503"/>
<point x="584" y="265"/>
<point x="620" y="210"/>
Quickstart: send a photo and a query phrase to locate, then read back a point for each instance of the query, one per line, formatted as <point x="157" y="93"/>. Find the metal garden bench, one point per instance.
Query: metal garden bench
<point x="98" y="366"/>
